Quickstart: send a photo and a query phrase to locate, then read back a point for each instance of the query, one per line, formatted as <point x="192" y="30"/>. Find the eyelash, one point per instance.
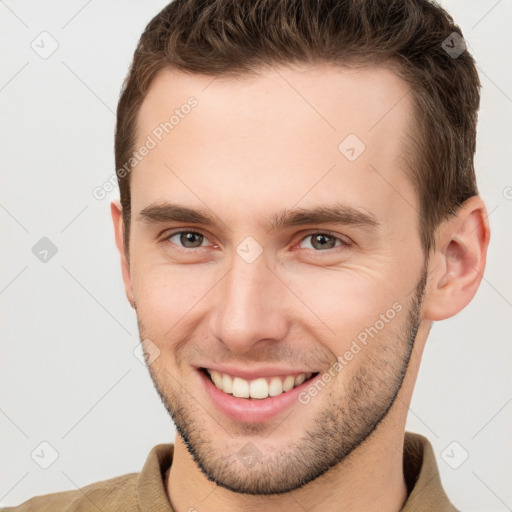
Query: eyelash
<point x="344" y="243"/>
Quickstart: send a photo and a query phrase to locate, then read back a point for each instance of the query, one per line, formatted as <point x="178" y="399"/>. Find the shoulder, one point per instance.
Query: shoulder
<point x="114" y="494"/>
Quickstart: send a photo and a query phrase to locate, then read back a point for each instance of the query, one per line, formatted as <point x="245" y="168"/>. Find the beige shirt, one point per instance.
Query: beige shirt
<point x="145" y="491"/>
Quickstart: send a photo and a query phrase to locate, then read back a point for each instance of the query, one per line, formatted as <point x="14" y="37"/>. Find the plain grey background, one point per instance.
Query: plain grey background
<point x="69" y="377"/>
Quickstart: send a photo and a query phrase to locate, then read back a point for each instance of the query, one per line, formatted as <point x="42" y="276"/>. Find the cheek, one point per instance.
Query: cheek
<point x="169" y="297"/>
<point x="347" y="302"/>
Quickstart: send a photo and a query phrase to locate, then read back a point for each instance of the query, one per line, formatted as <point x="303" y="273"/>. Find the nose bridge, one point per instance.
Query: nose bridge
<point x="247" y="309"/>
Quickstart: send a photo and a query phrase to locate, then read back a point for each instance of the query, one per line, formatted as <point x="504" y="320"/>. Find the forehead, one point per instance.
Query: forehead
<point x="281" y="135"/>
<point x="332" y="100"/>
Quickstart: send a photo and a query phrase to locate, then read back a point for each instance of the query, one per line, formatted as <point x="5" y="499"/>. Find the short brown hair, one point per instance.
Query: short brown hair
<point x="233" y="37"/>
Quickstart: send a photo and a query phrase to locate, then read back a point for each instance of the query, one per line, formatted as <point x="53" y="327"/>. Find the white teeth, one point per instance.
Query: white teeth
<point x="240" y="388"/>
<point x="276" y="386"/>
<point x="300" y="379"/>
<point x="288" y="383"/>
<point x="216" y="377"/>
<point x="227" y="383"/>
<point x="259" y="388"/>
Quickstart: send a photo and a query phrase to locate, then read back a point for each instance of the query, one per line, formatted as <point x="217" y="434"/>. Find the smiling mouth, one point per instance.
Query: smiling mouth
<point x="259" y="388"/>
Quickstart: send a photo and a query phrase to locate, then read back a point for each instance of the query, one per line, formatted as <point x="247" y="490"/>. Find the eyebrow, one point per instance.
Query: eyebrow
<point x="335" y="214"/>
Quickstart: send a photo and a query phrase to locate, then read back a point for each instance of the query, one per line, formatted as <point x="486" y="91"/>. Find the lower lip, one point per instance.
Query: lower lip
<point x="252" y="410"/>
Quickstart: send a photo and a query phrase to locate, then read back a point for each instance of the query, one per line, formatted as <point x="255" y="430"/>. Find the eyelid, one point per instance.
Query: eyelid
<point x="345" y="241"/>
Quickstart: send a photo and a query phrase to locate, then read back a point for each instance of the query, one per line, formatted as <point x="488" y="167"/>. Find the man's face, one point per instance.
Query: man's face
<point x="261" y="292"/>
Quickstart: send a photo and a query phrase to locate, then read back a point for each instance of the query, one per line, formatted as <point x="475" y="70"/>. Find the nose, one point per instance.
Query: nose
<point x="249" y="306"/>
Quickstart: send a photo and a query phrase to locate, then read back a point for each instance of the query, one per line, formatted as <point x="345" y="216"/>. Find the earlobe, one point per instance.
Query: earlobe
<point x="117" y="219"/>
<point x="458" y="261"/>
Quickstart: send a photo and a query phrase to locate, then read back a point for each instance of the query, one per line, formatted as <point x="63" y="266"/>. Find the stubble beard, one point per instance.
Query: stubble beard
<point x="352" y="413"/>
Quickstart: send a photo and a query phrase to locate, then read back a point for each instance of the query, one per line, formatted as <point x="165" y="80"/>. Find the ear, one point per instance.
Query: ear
<point x="117" y="217"/>
<point x="458" y="261"/>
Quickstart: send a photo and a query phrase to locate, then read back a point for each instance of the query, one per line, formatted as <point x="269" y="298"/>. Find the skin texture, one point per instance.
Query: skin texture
<point x="252" y="147"/>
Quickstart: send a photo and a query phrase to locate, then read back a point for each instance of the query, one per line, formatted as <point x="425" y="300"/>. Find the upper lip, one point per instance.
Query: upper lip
<point x="254" y="373"/>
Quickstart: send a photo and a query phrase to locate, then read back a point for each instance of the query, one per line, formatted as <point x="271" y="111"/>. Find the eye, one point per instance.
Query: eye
<point x="319" y="242"/>
<point x="323" y="241"/>
<point x="187" y="239"/>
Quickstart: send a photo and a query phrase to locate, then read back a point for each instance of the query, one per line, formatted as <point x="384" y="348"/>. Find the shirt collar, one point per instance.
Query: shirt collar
<point x="424" y="488"/>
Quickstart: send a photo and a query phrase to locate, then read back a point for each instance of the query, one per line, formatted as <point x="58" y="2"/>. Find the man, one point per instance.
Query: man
<point x="298" y="206"/>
